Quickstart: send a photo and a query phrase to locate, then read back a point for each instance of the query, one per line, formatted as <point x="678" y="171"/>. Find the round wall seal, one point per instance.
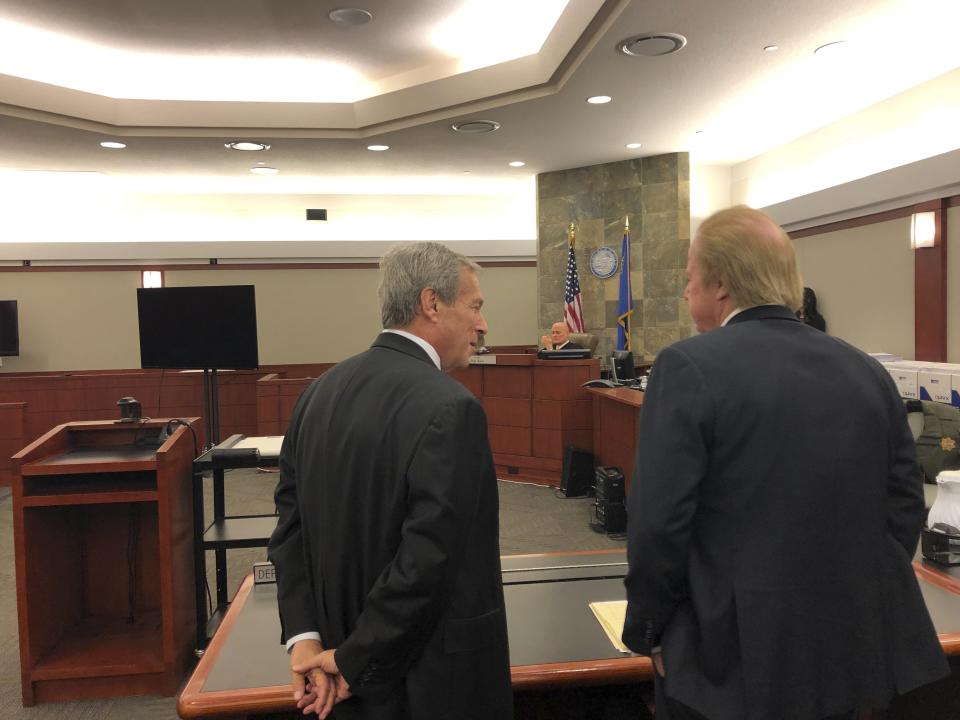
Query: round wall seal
<point x="604" y="262"/>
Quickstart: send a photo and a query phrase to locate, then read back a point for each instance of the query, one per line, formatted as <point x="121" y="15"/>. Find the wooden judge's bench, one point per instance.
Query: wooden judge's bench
<point x="535" y="408"/>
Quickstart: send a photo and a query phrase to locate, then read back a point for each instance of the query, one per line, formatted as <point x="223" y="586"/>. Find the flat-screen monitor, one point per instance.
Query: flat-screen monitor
<point x="9" y="329"/>
<point x="623" y="369"/>
<point x="565" y="354"/>
<point x="198" y="327"/>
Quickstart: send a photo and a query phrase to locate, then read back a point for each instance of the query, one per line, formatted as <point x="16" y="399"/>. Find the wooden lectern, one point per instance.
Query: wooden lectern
<point x="103" y="537"/>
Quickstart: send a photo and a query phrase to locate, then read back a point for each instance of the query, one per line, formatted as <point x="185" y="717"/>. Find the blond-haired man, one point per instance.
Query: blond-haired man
<point x="775" y="505"/>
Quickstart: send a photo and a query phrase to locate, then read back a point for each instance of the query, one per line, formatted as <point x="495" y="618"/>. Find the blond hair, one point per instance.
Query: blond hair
<point x="751" y="255"/>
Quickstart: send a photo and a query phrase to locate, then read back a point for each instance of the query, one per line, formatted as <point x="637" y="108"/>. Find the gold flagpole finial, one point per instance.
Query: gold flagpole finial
<point x="572" y="236"/>
<point x="626" y="221"/>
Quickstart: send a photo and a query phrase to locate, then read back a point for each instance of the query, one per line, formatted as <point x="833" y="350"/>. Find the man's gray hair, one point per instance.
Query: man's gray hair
<point x="405" y="270"/>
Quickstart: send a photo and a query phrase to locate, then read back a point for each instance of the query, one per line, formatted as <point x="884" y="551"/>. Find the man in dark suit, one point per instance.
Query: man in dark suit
<point x="559" y="338"/>
<point x="387" y="548"/>
<point x="775" y="505"/>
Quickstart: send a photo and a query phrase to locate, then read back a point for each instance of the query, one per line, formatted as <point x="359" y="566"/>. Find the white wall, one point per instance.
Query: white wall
<point x="52" y="217"/>
<point x="864" y="280"/>
<point x="709" y="192"/>
<point x="915" y="125"/>
<point x="75" y="320"/>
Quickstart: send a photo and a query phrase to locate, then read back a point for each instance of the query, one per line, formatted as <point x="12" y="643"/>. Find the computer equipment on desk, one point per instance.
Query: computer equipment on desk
<point x="564" y="354"/>
<point x="621" y="367"/>
<point x="941" y="543"/>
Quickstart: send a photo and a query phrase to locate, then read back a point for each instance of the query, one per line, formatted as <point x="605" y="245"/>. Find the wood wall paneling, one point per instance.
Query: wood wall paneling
<point x="12" y="437"/>
<point x="261" y="402"/>
<point x="506" y="381"/>
<point x="509" y="439"/>
<point x="554" y="414"/>
<point x="470" y="377"/>
<point x="562" y="382"/>
<point x="511" y="412"/>
<point x="615" y="431"/>
<point x="930" y="305"/>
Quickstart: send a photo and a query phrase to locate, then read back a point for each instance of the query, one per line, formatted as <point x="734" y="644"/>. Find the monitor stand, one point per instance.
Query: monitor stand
<point x="211" y="407"/>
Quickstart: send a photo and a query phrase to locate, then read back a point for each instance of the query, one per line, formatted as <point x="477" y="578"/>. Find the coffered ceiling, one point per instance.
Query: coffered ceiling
<point x="175" y="80"/>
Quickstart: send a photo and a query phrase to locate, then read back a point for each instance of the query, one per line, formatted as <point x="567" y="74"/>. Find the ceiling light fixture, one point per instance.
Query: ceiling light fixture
<point x="475" y="127"/>
<point x="831" y="48"/>
<point x="599" y="99"/>
<point x="264" y="170"/>
<point x="632" y="146"/>
<point x="378" y="148"/>
<point x="517" y="163"/>
<point x="652" y="44"/>
<point x="246" y="145"/>
<point x="113" y="145"/>
<point x="350" y="16"/>
<point x="771" y="48"/>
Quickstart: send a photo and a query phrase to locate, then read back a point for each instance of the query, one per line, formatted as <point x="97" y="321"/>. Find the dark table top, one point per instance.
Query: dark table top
<point x="555" y="640"/>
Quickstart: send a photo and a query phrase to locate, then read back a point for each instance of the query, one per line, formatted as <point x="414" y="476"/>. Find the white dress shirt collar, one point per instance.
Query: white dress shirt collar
<point x="731" y="316"/>
<point x="427" y="347"/>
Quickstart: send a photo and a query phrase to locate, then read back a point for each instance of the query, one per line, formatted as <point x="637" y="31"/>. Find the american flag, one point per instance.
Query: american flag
<point x="573" y="305"/>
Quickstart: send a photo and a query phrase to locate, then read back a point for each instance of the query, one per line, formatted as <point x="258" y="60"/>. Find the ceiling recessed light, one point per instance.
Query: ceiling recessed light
<point x="831" y="48"/>
<point x="113" y="145"/>
<point x="599" y="99"/>
<point x="475" y="127"/>
<point x="264" y="170"/>
<point x="350" y="16"/>
<point x="652" y="44"/>
<point x="378" y="148"/>
<point x="247" y="146"/>
<point x="771" y="48"/>
<point x="633" y="146"/>
<point x="517" y="163"/>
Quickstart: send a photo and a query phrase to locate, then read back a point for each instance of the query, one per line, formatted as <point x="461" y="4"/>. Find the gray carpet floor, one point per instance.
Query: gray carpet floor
<point x="532" y="519"/>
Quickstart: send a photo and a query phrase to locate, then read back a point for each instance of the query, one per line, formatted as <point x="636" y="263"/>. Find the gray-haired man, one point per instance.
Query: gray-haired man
<point x="387" y="551"/>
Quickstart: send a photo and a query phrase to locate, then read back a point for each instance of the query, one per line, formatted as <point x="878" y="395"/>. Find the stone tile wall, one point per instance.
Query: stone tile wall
<point x="655" y="193"/>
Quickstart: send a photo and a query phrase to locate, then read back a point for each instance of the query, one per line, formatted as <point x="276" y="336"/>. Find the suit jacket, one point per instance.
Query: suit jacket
<point x="569" y="345"/>
<point x="387" y="541"/>
<point x="773" y="515"/>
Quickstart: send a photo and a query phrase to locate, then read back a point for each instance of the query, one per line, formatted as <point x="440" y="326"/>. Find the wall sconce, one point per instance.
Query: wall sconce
<point x="923" y="230"/>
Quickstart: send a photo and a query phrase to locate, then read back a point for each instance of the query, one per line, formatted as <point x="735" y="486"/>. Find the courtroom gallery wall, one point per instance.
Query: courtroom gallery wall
<point x="87" y="320"/>
<point x="864" y="280"/>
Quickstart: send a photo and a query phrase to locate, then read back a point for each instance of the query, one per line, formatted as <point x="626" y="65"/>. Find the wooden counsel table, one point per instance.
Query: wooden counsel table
<point x="616" y="425"/>
<point x="246" y="671"/>
<point x="561" y="660"/>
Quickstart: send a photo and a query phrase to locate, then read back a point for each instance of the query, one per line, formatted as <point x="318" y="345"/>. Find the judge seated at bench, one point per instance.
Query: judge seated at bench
<point x="559" y="338"/>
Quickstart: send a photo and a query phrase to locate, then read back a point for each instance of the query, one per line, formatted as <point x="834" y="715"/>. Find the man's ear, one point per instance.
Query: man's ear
<point x="428" y="303"/>
<point x="722" y="293"/>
